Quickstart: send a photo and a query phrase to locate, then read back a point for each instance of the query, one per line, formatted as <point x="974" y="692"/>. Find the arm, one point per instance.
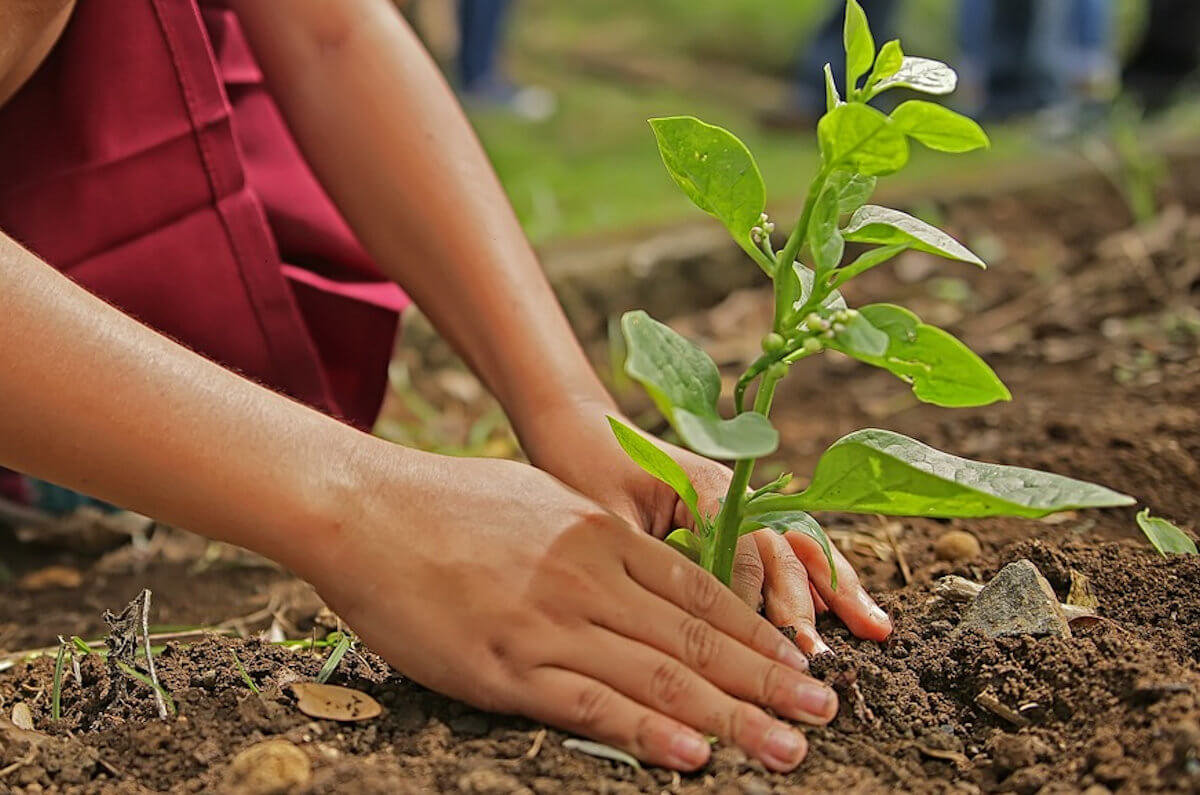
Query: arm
<point x="386" y="137"/>
<point x="389" y="142"/>
<point x="511" y="593"/>
<point x="28" y="29"/>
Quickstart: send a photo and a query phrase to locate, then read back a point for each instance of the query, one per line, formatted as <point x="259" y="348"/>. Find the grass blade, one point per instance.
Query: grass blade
<point x="335" y="657"/>
<point x="245" y="674"/>
<point x="56" y="693"/>
<point x="134" y="673"/>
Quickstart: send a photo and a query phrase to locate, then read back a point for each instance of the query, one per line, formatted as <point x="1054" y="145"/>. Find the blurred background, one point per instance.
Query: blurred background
<point x="577" y="158"/>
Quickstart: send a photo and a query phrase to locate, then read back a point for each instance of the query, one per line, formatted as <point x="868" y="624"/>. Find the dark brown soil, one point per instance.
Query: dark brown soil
<point x="1095" y="331"/>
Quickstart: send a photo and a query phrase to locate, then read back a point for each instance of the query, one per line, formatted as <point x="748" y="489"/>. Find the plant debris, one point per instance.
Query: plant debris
<point x="333" y="702"/>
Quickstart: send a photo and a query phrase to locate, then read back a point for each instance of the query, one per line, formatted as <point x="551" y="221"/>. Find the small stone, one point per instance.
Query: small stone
<point x="1018" y="601"/>
<point x="490" y="781"/>
<point x="272" y="767"/>
<point x="956" y="546"/>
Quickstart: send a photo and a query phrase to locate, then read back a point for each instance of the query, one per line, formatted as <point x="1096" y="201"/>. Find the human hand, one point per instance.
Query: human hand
<point x="788" y="576"/>
<point x="491" y="582"/>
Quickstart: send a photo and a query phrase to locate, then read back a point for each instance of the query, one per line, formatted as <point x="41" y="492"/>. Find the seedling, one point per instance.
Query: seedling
<point x="869" y="471"/>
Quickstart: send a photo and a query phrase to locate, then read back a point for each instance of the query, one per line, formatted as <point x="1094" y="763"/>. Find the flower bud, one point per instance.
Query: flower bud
<point x="777" y="371"/>
<point x="812" y="345"/>
<point x="773" y="343"/>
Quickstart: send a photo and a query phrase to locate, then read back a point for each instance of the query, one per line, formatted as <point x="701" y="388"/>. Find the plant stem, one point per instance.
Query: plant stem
<point x="796" y="240"/>
<point x="720" y="551"/>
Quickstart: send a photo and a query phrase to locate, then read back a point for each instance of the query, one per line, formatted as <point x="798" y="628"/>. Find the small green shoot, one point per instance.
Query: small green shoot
<point x="1164" y="536"/>
<point x="134" y="673"/>
<point x="335" y="656"/>
<point x="60" y="664"/>
<point x="870" y="471"/>
<point x="244" y="673"/>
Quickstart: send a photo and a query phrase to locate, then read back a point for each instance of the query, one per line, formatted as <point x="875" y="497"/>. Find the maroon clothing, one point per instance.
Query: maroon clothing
<point x="146" y="160"/>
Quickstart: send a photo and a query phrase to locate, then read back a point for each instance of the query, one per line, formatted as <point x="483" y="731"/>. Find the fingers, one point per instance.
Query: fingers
<point x="789" y="602"/>
<point x="666" y="573"/>
<point x="672" y="687"/>
<point x="850" y="601"/>
<point x="818" y="602"/>
<point x="747" y="581"/>
<point x="732" y="667"/>
<point x="582" y="705"/>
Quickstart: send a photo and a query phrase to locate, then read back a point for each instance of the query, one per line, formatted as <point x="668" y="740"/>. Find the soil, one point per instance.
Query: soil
<point x="1094" y="328"/>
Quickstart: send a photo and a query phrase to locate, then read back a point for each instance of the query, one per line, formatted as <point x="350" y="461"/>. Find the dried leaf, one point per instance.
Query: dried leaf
<point x="51" y="577"/>
<point x="22" y="716"/>
<point x="1081" y="591"/>
<point x="332" y="702"/>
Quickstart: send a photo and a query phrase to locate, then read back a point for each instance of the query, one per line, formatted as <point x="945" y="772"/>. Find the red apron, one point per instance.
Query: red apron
<point x="146" y="160"/>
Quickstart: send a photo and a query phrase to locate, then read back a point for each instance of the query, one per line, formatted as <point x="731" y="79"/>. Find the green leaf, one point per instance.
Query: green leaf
<point x="832" y="100"/>
<point x="853" y="189"/>
<point x="775" y="485"/>
<point x="887" y="63"/>
<point x="877" y="471"/>
<point x="651" y="458"/>
<point x="859" y="338"/>
<point x="870" y="258"/>
<point x="860" y="45"/>
<point x="1166" y="537"/>
<point x="920" y="74"/>
<point x="939" y="127"/>
<point x="799" y="522"/>
<point x="687" y="542"/>
<point x="824" y="240"/>
<point x="715" y="170"/>
<point x="886" y="227"/>
<point x="684" y="383"/>
<point x="834" y="301"/>
<point x="675" y="372"/>
<point x="942" y="370"/>
<point x="862" y="139"/>
<point x="748" y="435"/>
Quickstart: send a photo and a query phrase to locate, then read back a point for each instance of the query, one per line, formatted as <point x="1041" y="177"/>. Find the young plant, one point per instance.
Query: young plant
<point x="869" y="471"/>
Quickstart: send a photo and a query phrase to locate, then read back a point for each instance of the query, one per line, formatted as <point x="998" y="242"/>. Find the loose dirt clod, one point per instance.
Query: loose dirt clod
<point x="332" y="702"/>
<point x="268" y="768"/>
<point x="957" y="545"/>
<point x="1018" y="601"/>
<point x="51" y="577"/>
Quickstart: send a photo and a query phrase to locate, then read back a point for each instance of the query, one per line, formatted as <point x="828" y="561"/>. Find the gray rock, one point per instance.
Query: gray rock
<point x="1018" y="601"/>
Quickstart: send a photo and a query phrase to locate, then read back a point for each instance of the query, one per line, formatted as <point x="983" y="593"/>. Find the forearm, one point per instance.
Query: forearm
<point x="28" y="30"/>
<point x="388" y="140"/>
<point x="91" y="399"/>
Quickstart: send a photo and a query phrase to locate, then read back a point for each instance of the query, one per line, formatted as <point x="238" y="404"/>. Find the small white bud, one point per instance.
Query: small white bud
<point x="827" y="335"/>
<point x="838" y="328"/>
<point x="762" y="219"/>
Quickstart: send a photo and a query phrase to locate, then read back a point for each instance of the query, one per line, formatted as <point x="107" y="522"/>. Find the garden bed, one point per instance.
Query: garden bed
<point x="1095" y="331"/>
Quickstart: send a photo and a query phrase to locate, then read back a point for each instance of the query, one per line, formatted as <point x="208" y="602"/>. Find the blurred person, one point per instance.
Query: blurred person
<point x="806" y="101"/>
<point x="1167" y="55"/>
<point x="1024" y="56"/>
<point x="253" y="185"/>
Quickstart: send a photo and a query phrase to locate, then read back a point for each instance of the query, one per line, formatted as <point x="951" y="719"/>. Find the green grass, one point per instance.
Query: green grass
<point x="593" y="169"/>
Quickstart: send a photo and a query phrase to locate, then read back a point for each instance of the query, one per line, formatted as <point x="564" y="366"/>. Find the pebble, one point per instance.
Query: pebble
<point x="272" y="767"/>
<point x="1018" y="601"/>
<point x="490" y="781"/>
<point x="957" y="546"/>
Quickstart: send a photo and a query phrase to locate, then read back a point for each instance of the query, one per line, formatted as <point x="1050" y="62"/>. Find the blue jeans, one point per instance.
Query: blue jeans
<point x="1025" y="54"/>
<point x="827" y="48"/>
<point x="480" y="30"/>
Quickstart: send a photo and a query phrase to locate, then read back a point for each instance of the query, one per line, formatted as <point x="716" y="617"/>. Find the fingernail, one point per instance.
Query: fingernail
<point x="815" y="700"/>
<point x="792" y="657"/>
<point x="689" y="750"/>
<point x="783" y="748"/>
<point x="820" y="648"/>
<point x="880" y="617"/>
